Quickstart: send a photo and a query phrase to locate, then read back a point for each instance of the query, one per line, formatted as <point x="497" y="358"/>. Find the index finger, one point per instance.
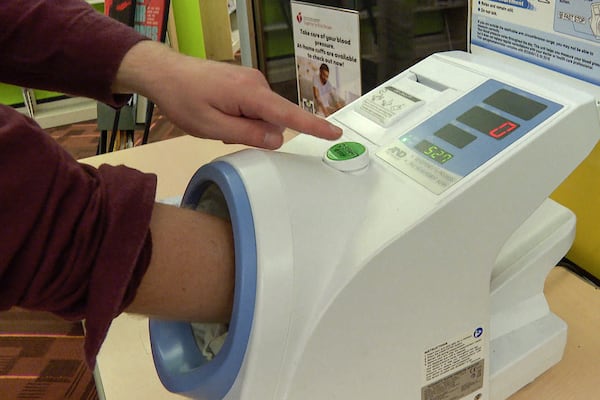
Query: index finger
<point x="277" y="110"/>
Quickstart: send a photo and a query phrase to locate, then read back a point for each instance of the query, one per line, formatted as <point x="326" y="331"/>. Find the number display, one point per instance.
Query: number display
<point x="433" y="151"/>
<point x="488" y="122"/>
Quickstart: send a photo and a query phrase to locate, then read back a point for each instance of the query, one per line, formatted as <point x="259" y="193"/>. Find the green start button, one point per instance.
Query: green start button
<point x="347" y="156"/>
<point x="345" y="151"/>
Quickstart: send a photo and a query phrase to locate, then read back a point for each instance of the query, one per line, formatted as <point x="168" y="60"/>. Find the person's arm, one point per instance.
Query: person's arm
<point x="87" y="243"/>
<point x="69" y="47"/>
<point x="213" y="99"/>
<point x="74" y="240"/>
<point x="191" y="272"/>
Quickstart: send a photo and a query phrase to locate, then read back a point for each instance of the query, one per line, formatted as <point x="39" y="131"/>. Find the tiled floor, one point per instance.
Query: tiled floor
<point x="41" y="358"/>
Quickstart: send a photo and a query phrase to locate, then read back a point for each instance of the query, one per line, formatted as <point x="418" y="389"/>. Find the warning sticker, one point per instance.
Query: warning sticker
<point x="457" y="385"/>
<point x="454" y="369"/>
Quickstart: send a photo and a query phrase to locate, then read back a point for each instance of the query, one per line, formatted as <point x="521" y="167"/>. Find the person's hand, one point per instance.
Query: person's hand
<point x="215" y="100"/>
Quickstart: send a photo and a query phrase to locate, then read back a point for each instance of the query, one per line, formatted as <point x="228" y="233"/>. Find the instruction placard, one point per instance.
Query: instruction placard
<point x="560" y="35"/>
<point x="387" y="104"/>
<point x="327" y="50"/>
<point x="455" y="368"/>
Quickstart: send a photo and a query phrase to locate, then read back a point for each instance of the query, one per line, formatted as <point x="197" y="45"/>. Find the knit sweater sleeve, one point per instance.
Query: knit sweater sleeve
<point x="74" y="240"/>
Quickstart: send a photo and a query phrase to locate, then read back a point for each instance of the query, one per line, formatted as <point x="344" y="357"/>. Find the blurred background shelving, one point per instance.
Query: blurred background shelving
<point x="399" y="33"/>
<point x="258" y="33"/>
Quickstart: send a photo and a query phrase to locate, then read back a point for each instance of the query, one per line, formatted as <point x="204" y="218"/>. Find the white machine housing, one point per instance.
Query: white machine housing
<point x="399" y="278"/>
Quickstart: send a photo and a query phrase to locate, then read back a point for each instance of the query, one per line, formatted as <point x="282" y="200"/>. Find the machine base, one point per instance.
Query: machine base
<point x="521" y="356"/>
<point x="527" y="338"/>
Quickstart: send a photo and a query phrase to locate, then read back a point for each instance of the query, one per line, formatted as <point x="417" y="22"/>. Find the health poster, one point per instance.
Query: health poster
<point x="562" y="35"/>
<point x="327" y="53"/>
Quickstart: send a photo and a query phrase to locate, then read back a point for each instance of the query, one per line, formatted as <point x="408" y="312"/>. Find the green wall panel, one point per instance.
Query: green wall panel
<point x="190" y="37"/>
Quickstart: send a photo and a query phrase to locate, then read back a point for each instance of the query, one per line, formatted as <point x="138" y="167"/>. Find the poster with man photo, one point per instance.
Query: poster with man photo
<point x="327" y="52"/>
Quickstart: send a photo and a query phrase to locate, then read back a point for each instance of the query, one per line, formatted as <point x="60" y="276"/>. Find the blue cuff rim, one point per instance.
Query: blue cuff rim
<point x="180" y="365"/>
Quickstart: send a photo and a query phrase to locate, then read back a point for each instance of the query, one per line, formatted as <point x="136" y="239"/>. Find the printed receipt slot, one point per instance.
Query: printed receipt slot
<point x="408" y="261"/>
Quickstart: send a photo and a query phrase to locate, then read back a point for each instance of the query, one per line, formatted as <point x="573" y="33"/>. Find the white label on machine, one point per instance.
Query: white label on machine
<point x="454" y="369"/>
<point x="387" y="104"/>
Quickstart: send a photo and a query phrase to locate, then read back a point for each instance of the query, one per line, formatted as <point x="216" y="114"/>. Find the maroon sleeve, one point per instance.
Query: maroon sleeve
<point x="62" y="45"/>
<point x="74" y="240"/>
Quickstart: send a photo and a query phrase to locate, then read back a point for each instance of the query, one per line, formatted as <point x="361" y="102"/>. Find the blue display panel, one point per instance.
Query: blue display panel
<point x="464" y="135"/>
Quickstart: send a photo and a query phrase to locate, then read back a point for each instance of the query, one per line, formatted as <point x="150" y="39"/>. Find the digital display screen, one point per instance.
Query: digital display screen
<point x="515" y="104"/>
<point x="488" y="122"/>
<point x="433" y="151"/>
<point x="455" y="136"/>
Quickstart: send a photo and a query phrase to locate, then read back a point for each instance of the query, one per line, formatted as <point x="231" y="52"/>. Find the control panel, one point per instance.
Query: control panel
<point x="451" y="143"/>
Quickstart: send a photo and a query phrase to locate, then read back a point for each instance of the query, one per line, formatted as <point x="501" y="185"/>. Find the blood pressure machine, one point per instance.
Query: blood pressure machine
<point x="405" y="261"/>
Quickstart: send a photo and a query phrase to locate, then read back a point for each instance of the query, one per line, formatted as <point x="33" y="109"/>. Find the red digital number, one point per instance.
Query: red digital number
<point x="503" y="130"/>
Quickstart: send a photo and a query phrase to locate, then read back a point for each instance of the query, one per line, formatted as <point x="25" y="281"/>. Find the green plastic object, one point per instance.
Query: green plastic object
<point x="10" y="95"/>
<point x="345" y="151"/>
<point x="45" y="95"/>
<point x="188" y="23"/>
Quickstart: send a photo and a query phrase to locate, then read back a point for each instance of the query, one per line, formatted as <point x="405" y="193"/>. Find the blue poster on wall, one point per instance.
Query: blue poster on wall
<point x="561" y="36"/>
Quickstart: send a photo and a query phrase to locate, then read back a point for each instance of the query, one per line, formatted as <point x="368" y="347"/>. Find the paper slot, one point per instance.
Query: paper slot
<point x="394" y="101"/>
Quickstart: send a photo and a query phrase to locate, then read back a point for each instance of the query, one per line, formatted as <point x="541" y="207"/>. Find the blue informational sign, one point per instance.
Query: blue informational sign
<point x="563" y="36"/>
